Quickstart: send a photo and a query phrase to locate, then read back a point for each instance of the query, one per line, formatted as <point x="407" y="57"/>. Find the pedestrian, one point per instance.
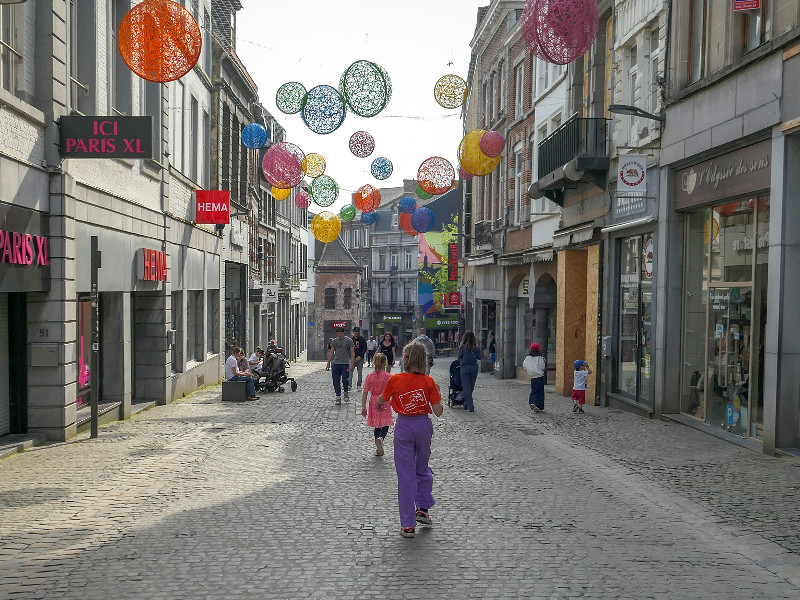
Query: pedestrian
<point x="256" y="359"/>
<point x="234" y="373"/>
<point x="359" y="350"/>
<point x="340" y="363"/>
<point x="582" y="371"/>
<point x="413" y="396"/>
<point x="534" y="365"/>
<point x="379" y="417"/>
<point x="468" y="356"/>
<point x="372" y="348"/>
<point x="430" y="347"/>
<point x="388" y="347"/>
<point x="492" y="350"/>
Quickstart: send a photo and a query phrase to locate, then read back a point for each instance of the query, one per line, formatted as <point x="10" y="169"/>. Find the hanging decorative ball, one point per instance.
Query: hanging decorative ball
<point x="492" y="143"/>
<point x="282" y="165"/>
<point x="369" y="218"/>
<point x="326" y="227"/>
<point x="451" y="91"/>
<point x="366" y="88"/>
<point x="435" y="175"/>
<point x="324" y="190"/>
<point x="404" y="222"/>
<point x="254" y="136"/>
<point x="302" y="199"/>
<point x="367" y="198"/>
<point x="323" y="110"/>
<point x="348" y="212"/>
<point x="290" y="97"/>
<point x="472" y="158"/>
<point x="407" y="204"/>
<point x="422" y="219"/>
<point x="159" y="40"/>
<point x="463" y="175"/>
<point x="381" y="168"/>
<point x="362" y="144"/>
<point x="422" y="194"/>
<point x="559" y="31"/>
<point x="281" y="194"/>
<point x="313" y="165"/>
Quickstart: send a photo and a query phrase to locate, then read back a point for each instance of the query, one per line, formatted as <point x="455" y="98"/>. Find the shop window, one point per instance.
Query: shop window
<point x="330" y="297"/>
<point x="194" y="326"/>
<point x="84" y="351"/>
<point x="176" y="324"/>
<point x="212" y="339"/>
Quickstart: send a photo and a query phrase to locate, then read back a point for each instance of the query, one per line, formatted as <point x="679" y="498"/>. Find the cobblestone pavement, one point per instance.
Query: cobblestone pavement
<point x="284" y="498"/>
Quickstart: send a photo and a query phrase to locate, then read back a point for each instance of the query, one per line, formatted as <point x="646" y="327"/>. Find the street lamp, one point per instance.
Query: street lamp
<point x="634" y="111"/>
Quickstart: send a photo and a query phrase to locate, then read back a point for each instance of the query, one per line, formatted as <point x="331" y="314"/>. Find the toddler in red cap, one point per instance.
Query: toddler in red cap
<point x="582" y="371"/>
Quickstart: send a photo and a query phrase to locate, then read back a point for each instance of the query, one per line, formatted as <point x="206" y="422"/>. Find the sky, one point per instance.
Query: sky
<point x="314" y="41"/>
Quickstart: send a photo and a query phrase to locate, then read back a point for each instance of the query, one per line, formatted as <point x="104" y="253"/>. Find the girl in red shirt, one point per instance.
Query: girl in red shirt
<point x="413" y="396"/>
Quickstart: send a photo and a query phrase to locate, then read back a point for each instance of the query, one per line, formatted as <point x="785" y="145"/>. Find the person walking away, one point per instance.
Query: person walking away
<point x="582" y="371"/>
<point x="413" y="396"/>
<point x="534" y="365"/>
<point x="378" y="417"/>
<point x="340" y="363"/>
<point x="469" y="356"/>
<point x="234" y="373"/>
<point x="492" y="350"/>
<point x="388" y="347"/>
<point x="359" y="350"/>
<point x="430" y="347"/>
<point x="372" y="348"/>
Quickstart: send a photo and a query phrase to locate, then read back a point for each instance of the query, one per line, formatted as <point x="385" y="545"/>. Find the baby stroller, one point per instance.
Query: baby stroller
<point x="272" y="375"/>
<point x="455" y="394"/>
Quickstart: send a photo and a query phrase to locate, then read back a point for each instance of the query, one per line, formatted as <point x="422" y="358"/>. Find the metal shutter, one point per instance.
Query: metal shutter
<point x="5" y="408"/>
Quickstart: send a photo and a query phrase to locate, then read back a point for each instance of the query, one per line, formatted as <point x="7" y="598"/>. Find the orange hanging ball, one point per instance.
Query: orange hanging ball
<point x="159" y="40"/>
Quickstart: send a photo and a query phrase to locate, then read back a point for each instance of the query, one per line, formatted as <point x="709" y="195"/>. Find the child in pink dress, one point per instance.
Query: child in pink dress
<point x="379" y="417"/>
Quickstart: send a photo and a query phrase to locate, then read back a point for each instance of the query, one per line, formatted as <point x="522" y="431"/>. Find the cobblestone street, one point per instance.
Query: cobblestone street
<point x="284" y="498"/>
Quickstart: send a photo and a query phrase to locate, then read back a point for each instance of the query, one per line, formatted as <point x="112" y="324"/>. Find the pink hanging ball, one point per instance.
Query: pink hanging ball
<point x="302" y="199"/>
<point x="463" y="175"/>
<point x="492" y="143"/>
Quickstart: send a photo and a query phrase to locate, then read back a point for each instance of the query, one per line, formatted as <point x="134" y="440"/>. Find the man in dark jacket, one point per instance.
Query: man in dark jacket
<point x="360" y="349"/>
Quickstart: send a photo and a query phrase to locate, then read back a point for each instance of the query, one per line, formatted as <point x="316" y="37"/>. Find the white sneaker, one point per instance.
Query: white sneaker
<point x="347" y="397"/>
<point x="338" y="399"/>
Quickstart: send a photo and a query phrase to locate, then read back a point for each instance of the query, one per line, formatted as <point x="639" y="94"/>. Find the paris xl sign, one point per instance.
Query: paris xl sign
<point x="106" y="137"/>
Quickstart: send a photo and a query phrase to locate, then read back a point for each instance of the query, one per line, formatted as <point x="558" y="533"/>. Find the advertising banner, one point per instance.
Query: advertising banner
<point x="106" y="137"/>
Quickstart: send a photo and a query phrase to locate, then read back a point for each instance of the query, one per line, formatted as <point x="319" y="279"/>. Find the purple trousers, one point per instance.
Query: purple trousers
<point x="412" y="449"/>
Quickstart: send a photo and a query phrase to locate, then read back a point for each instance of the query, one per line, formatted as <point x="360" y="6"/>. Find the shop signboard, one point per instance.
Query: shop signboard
<point x="392" y="318"/>
<point x="452" y="262"/>
<point x="441" y="323"/>
<point x="106" y="137"/>
<point x="271" y="292"/>
<point x="338" y="324"/>
<point x="631" y="185"/>
<point x="151" y="265"/>
<point x="746" y="5"/>
<point x="212" y="207"/>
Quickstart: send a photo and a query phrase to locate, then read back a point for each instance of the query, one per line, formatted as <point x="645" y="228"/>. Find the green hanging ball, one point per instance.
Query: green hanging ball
<point x="348" y="213"/>
<point x="422" y="194"/>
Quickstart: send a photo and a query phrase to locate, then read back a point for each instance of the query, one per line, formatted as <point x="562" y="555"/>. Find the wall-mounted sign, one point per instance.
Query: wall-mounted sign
<point x="647" y="259"/>
<point x="212" y="207"/>
<point x="338" y="324"/>
<point x="452" y="262"/>
<point x="441" y="323"/>
<point x="271" y="292"/>
<point x="746" y="4"/>
<point x="23" y="249"/>
<point x="151" y="265"/>
<point x="392" y="318"/>
<point x="628" y="205"/>
<point x="632" y="174"/>
<point x="453" y="298"/>
<point x="106" y="137"/>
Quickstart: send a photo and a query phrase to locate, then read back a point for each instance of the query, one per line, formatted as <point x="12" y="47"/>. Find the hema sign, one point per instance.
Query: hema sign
<point x="212" y="207"/>
<point x="106" y="137"/>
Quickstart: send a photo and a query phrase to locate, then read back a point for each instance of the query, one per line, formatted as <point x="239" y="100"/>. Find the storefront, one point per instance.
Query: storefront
<point x="726" y="207"/>
<point x="399" y="325"/>
<point x="443" y="330"/>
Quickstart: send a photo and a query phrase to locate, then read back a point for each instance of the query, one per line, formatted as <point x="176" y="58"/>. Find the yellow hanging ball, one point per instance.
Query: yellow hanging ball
<point x="472" y="159"/>
<point x="313" y="165"/>
<point x="326" y="227"/>
<point x="280" y="193"/>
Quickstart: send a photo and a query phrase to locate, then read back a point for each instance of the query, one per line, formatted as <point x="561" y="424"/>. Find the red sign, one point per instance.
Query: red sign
<point x="453" y="298"/>
<point x="746" y="4"/>
<point x="151" y="265"/>
<point x="212" y="206"/>
<point x="452" y="262"/>
<point x="338" y="324"/>
<point x="23" y="249"/>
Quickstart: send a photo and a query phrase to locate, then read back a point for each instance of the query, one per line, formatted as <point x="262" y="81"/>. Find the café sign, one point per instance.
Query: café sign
<point x="106" y="137"/>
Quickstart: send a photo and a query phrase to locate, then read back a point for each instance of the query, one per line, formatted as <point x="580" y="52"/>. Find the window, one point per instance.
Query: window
<point x="486" y="104"/>
<point x="754" y="28"/>
<point x="652" y="95"/>
<point x="330" y="297"/>
<point x="503" y="85"/>
<point x="366" y="238"/>
<point x="408" y="260"/>
<point x="381" y="261"/>
<point x="394" y="217"/>
<point x="194" y="322"/>
<point x="82" y="56"/>
<point x="348" y="297"/>
<point x="517" y="188"/>
<point x="365" y="271"/>
<point x="177" y="126"/>
<point x="356" y="235"/>
<point x="697" y="40"/>
<point x="395" y="259"/>
<point x="212" y="339"/>
<point x="121" y="77"/>
<point x="633" y="72"/>
<point x="177" y="324"/>
<point x="194" y="138"/>
<point x="541" y="134"/>
<point x="10" y="55"/>
<point x="206" y="176"/>
<point x="518" y="96"/>
<point x="543" y="69"/>
<point x="205" y="53"/>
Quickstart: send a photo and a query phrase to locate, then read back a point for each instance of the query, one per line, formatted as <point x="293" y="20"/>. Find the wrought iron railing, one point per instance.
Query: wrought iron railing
<point x="576" y="137"/>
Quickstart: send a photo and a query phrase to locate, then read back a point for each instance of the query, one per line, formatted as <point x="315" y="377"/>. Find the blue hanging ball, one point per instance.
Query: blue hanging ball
<point x="381" y="168"/>
<point x="368" y="218"/>
<point x="408" y="204"/>
<point x="422" y="219"/>
<point x="254" y="136"/>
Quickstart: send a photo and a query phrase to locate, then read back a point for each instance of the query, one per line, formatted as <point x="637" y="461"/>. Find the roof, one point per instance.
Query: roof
<point x="336" y="256"/>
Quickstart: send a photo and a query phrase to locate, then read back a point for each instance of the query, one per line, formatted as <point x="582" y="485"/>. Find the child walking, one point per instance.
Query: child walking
<point x="582" y="371"/>
<point x="413" y="396"/>
<point x="379" y="417"/>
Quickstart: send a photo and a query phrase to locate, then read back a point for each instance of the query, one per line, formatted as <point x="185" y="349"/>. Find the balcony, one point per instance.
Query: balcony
<point x="395" y="306"/>
<point x="576" y="151"/>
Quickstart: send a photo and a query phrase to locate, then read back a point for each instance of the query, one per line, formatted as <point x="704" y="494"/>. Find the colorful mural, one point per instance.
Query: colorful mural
<point x="434" y="278"/>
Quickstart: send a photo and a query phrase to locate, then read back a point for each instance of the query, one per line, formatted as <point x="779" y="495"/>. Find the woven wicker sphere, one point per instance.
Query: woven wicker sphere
<point x="324" y="190"/>
<point x="324" y="110"/>
<point x="281" y="194"/>
<point x="282" y="165"/>
<point x="302" y="199"/>
<point x="326" y="227"/>
<point x="463" y="175"/>
<point x="369" y="218"/>
<point x="362" y="144"/>
<point x="290" y="97"/>
<point x="422" y="219"/>
<point x="313" y="165"/>
<point x="404" y="222"/>
<point x="366" y="88"/>
<point x="450" y="91"/>
<point x="435" y="175"/>
<point x="492" y="143"/>
<point x="559" y="31"/>
<point x="381" y="168"/>
<point x="422" y="194"/>
<point x="255" y="135"/>
<point x="408" y="204"/>
<point x="367" y="198"/>
<point x="159" y="40"/>
<point x="472" y="159"/>
<point x="348" y="212"/>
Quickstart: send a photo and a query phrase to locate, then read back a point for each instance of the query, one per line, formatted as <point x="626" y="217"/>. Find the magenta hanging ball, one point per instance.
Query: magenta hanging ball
<point x="408" y="204"/>
<point x="282" y="165"/>
<point x="254" y="136"/>
<point x="302" y="199"/>
<point x="492" y="143"/>
<point x="362" y="144"/>
<point x="463" y="175"/>
<point x="559" y="31"/>
<point x="369" y="218"/>
<point x="422" y="219"/>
